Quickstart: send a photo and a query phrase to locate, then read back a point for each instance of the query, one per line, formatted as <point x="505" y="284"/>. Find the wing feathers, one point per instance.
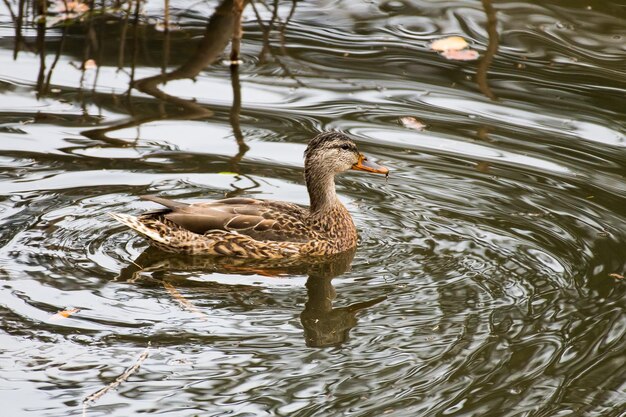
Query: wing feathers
<point x="259" y="219"/>
<point x="170" y="204"/>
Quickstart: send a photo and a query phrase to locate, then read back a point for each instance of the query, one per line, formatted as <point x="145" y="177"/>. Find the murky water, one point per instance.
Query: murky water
<point x="488" y="279"/>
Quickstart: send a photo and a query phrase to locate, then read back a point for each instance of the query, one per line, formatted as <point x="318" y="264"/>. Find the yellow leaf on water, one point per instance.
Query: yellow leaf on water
<point x="63" y="314"/>
<point x="450" y="43"/>
<point x="227" y="173"/>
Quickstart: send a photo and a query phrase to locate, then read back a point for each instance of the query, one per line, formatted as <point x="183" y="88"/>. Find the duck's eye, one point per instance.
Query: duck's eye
<point x="345" y="147"/>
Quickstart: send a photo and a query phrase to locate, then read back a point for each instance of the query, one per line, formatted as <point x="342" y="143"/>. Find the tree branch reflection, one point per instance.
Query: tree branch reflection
<point x="492" y="49"/>
<point x="216" y="37"/>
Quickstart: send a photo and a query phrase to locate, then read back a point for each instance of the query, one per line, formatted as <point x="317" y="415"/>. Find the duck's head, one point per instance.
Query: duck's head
<point x="334" y="152"/>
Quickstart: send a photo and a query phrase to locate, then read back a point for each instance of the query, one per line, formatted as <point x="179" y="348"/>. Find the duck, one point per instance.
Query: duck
<point x="256" y="229"/>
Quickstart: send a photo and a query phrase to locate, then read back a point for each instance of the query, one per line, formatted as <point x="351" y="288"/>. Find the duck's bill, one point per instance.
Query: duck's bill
<point x="365" y="165"/>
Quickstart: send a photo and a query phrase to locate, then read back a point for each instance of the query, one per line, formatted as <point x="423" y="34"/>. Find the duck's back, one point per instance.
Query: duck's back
<point x="261" y="220"/>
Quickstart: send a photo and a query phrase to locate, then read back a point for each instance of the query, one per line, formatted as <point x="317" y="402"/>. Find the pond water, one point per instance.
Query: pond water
<point x="488" y="280"/>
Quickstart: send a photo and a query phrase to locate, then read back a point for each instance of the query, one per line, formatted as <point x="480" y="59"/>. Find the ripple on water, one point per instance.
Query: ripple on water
<point x="482" y="283"/>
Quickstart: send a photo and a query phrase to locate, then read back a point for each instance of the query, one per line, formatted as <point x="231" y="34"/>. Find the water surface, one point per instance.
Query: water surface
<point x="488" y="278"/>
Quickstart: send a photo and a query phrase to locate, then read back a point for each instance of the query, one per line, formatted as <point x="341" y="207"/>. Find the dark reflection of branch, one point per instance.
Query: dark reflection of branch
<point x="135" y="44"/>
<point x="166" y="37"/>
<point x="18" y="28"/>
<point x="6" y="3"/>
<point x="237" y="32"/>
<point x="235" y="112"/>
<point x="283" y="28"/>
<point x="120" y="56"/>
<point x="217" y="36"/>
<point x="323" y="325"/>
<point x="55" y="61"/>
<point x="492" y="49"/>
<point x="91" y="44"/>
<point x="266" y="32"/>
<point x="41" y="46"/>
<point x="267" y="48"/>
<point x="99" y="48"/>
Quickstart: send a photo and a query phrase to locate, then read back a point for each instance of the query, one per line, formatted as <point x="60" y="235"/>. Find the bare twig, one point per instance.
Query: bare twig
<point x="123" y="377"/>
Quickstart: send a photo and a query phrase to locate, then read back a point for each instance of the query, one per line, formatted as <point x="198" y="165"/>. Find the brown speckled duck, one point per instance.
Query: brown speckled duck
<point x="262" y="229"/>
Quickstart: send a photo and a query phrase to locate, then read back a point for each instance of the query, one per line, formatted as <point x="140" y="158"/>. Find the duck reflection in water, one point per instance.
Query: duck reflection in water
<point x="323" y="325"/>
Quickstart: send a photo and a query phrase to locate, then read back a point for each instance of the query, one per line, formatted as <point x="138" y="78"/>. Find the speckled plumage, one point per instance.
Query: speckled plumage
<point x="261" y="229"/>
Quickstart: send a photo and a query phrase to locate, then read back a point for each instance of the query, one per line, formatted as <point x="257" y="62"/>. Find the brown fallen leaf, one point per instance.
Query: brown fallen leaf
<point x="616" y="276"/>
<point x="483" y="167"/>
<point x="450" y="43"/>
<point x="412" y="123"/>
<point x="63" y="314"/>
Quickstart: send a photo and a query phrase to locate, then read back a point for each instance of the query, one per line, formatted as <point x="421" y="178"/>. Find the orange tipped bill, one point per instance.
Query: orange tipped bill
<point x="364" y="165"/>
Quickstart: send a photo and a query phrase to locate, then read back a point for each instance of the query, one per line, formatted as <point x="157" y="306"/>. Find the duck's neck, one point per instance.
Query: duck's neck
<point x="321" y="187"/>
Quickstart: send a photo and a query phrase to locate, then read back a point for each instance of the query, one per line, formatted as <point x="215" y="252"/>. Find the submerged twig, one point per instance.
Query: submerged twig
<point x="123" y="377"/>
<point x="184" y="303"/>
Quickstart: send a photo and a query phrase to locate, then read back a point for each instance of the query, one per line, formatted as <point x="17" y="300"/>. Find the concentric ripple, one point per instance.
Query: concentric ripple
<point x="489" y="276"/>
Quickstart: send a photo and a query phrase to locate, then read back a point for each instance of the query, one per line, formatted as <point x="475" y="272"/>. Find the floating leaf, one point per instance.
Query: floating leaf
<point x="455" y="48"/>
<point x="616" y="276"/>
<point x="228" y="173"/>
<point x="412" y="123"/>
<point x="63" y="314"/>
<point x="163" y="26"/>
<point x="70" y="7"/>
<point x="89" y="64"/>
<point x="462" y="55"/>
<point x="483" y="167"/>
<point x="451" y="43"/>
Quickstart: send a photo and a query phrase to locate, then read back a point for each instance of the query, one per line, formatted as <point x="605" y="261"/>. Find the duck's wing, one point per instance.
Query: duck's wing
<point x="260" y="219"/>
